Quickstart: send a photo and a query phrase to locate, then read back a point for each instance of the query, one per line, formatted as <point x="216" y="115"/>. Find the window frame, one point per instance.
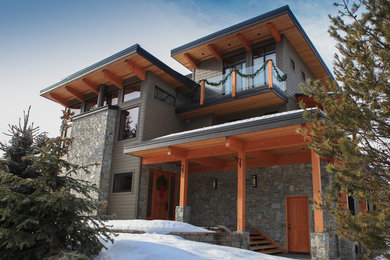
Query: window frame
<point x="122" y="100"/>
<point x="120" y="138"/>
<point x="166" y="92"/>
<point x="119" y="190"/>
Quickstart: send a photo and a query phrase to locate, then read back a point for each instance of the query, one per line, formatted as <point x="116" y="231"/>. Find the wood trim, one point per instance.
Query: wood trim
<point x="77" y="95"/>
<point x="234" y="83"/>
<point x="244" y="42"/>
<point x="202" y="92"/>
<point x="210" y="162"/>
<point x="91" y="85"/>
<point x="177" y="152"/>
<point x="270" y="75"/>
<point x="140" y="72"/>
<point x="215" y="52"/>
<point x="317" y="192"/>
<point x="194" y="63"/>
<point x="241" y="170"/>
<point x="234" y="143"/>
<point x="183" y="182"/>
<point x="59" y="99"/>
<point x="275" y="33"/>
<point x="118" y="82"/>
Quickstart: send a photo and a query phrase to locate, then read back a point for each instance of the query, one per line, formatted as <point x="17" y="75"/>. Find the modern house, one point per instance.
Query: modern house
<point x="216" y="147"/>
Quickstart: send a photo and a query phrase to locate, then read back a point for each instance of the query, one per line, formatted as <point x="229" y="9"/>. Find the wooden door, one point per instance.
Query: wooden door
<point x="162" y="195"/>
<point x="298" y="235"/>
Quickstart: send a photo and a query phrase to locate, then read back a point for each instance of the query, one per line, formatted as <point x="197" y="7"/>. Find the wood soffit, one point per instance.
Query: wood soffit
<point x="113" y="74"/>
<point x="269" y="29"/>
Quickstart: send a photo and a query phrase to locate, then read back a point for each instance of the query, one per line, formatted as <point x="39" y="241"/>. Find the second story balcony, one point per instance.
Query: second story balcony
<point x="237" y="90"/>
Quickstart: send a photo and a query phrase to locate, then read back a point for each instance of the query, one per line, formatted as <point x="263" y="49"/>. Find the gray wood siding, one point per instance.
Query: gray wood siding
<point x="207" y="69"/>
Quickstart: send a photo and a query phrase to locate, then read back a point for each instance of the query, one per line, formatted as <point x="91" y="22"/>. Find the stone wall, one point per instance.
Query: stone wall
<point x="265" y="204"/>
<point x="93" y="136"/>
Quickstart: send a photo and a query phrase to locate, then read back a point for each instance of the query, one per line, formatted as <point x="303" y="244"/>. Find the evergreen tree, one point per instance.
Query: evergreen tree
<point x="45" y="213"/>
<point x="355" y="128"/>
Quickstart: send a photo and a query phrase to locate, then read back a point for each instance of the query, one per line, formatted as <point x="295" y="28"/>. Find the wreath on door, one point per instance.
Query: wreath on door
<point x="162" y="185"/>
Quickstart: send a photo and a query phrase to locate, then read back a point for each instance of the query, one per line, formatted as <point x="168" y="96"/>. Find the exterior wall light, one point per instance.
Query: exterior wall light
<point x="254" y="181"/>
<point x="215" y="183"/>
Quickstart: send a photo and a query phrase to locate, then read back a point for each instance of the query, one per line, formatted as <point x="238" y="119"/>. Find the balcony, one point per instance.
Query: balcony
<point x="236" y="91"/>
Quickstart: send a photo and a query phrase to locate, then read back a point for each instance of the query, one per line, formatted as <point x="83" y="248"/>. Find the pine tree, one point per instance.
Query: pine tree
<point x="45" y="213"/>
<point x="355" y="126"/>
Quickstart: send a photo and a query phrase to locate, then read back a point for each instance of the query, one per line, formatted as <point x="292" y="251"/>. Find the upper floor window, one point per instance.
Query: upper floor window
<point x="260" y="57"/>
<point x="128" y="123"/>
<point x="111" y="98"/>
<point x="131" y="92"/>
<point x="303" y="76"/>
<point x="236" y="62"/>
<point x="91" y="104"/>
<point x="292" y="64"/>
<point x="122" y="182"/>
<point x="164" y="96"/>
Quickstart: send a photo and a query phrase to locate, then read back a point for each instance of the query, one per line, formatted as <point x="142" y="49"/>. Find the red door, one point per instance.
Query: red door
<point x="162" y="195"/>
<point x="298" y="235"/>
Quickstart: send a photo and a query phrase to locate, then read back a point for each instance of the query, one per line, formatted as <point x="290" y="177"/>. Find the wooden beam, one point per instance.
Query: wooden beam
<point x="215" y="150"/>
<point x="241" y="170"/>
<point x="215" y="52"/>
<point x="159" y="158"/>
<point x="244" y="42"/>
<point x="77" y="95"/>
<point x="210" y="162"/>
<point x="177" y="152"/>
<point x="202" y="92"/>
<point x="277" y="142"/>
<point x="59" y="99"/>
<point x="317" y="192"/>
<point x="183" y="182"/>
<point x="275" y="33"/>
<point x="91" y="85"/>
<point x="263" y="156"/>
<point x="194" y="63"/>
<point x="118" y="82"/>
<point x="270" y="75"/>
<point x="234" y="83"/>
<point x="234" y="143"/>
<point x="140" y="72"/>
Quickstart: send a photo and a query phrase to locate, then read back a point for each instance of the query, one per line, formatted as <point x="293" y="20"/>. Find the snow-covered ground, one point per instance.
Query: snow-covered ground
<point x="156" y="244"/>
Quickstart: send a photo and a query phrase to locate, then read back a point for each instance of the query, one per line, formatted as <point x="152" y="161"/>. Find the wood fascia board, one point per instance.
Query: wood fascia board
<point x="159" y="158"/>
<point x="234" y="143"/>
<point x="91" y="85"/>
<point x="194" y="63"/>
<point x="244" y="42"/>
<point x="276" y="142"/>
<point x="140" y="72"/>
<point x="118" y="82"/>
<point x="176" y="152"/>
<point x="215" y="52"/>
<point x="275" y="33"/>
<point x="77" y="95"/>
<point x="59" y="99"/>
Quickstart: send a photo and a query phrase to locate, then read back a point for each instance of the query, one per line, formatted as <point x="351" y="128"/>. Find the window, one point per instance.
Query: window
<point x="236" y="62"/>
<point x="303" y="76"/>
<point x="292" y="64"/>
<point x="132" y="92"/>
<point x="91" y="104"/>
<point x="111" y="98"/>
<point x="122" y="182"/>
<point x="164" y="96"/>
<point x="128" y="123"/>
<point x="260" y="57"/>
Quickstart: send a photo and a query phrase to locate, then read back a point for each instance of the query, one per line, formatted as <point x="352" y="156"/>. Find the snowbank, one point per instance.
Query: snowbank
<point x="153" y="226"/>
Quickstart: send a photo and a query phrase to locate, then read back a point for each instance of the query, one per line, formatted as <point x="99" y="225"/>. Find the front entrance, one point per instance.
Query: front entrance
<point x="162" y="195"/>
<point x="298" y="235"/>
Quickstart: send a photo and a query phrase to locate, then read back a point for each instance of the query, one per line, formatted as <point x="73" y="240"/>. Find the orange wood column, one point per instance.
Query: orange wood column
<point x="234" y="83"/>
<point x="270" y="75"/>
<point x="317" y="194"/>
<point x="202" y="92"/>
<point x="241" y="167"/>
<point x="183" y="182"/>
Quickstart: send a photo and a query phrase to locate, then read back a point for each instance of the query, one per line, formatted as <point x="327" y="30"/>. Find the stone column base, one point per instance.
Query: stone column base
<point x="244" y="239"/>
<point x="323" y="246"/>
<point x="183" y="214"/>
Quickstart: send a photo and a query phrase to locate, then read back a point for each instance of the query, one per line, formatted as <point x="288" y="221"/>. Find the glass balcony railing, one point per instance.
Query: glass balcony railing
<point x="254" y="77"/>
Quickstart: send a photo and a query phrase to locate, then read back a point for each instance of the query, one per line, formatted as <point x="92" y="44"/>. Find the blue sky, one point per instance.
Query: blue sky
<point x="43" y="41"/>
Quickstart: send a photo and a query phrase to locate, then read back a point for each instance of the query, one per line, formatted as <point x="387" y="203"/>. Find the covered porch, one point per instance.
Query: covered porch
<point x="228" y="157"/>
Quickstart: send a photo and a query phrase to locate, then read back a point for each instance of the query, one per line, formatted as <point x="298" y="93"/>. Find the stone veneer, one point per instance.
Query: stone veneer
<point x="93" y="138"/>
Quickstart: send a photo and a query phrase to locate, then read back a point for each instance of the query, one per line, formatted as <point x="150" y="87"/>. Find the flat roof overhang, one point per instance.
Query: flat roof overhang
<point x="280" y="21"/>
<point x="131" y="62"/>
<point x="266" y="140"/>
<point x="249" y="99"/>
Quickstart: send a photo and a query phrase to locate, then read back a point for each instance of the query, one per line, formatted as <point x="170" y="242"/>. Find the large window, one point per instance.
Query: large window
<point x="91" y="104"/>
<point x="237" y="62"/>
<point x="131" y="92"/>
<point x="122" y="182"/>
<point x="111" y="98"/>
<point x="128" y="123"/>
<point x="164" y="96"/>
<point x="260" y="57"/>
